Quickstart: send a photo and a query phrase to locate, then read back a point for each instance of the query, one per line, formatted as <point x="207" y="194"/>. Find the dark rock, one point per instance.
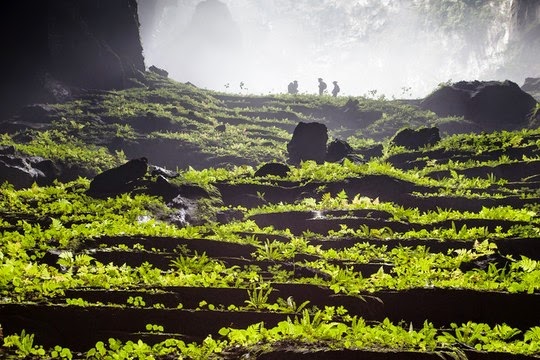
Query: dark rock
<point x="185" y="213"/>
<point x="71" y="172"/>
<point x="531" y="85"/>
<point x="7" y="150"/>
<point x="49" y="169"/>
<point x="337" y="150"/>
<point x="193" y="191"/>
<point x="37" y="113"/>
<point x="491" y="104"/>
<point x="308" y="143"/>
<point x="163" y="188"/>
<point x="370" y="152"/>
<point x="57" y="44"/>
<point x="117" y="180"/>
<point x="415" y="139"/>
<point x="159" y="171"/>
<point x="56" y="91"/>
<point x="276" y="169"/>
<point x="160" y="72"/>
<point x="229" y="215"/>
<point x="483" y="262"/>
<point x="18" y="172"/>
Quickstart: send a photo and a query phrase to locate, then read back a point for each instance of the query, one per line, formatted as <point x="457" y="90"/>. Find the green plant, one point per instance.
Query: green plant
<point x="258" y="298"/>
<point x="136" y="301"/>
<point x="154" y="328"/>
<point x="24" y="345"/>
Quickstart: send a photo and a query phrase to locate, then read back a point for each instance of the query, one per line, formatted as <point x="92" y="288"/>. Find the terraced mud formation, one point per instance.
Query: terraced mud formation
<point x="188" y="248"/>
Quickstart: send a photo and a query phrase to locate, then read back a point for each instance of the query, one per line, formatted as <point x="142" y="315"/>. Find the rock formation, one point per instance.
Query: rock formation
<point x="524" y="41"/>
<point x="55" y="43"/>
<point x="210" y="45"/>
<point x="491" y="104"/>
<point x="308" y="143"/>
<point x="415" y="139"/>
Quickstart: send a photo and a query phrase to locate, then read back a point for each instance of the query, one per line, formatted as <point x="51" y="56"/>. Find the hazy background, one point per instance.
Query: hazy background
<point x="401" y="48"/>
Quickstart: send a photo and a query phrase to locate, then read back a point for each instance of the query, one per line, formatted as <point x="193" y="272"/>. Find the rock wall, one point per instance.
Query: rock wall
<point x="524" y="43"/>
<point x="524" y="15"/>
<point x="83" y="43"/>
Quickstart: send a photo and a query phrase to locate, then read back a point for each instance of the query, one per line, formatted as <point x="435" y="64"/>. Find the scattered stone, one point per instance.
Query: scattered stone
<point x="276" y="169"/>
<point x="49" y="169"/>
<point x="19" y="172"/>
<point x="193" y="191"/>
<point x="229" y="215"/>
<point x="415" y="139"/>
<point x="221" y="128"/>
<point x="160" y="171"/>
<point x="117" y="180"/>
<point x="184" y="213"/>
<point x="483" y="262"/>
<point x="308" y="143"/>
<point x="370" y="152"/>
<point x="490" y="103"/>
<point x="338" y="150"/>
<point x="163" y="188"/>
<point x="7" y="150"/>
<point x="159" y="71"/>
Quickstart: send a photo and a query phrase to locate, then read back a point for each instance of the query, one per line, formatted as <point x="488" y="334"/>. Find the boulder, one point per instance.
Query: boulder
<point x="531" y="85"/>
<point x="119" y="179"/>
<point x="492" y="104"/>
<point x="158" y="71"/>
<point x="337" y="150"/>
<point x="370" y="152"/>
<point x="415" y="139"/>
<point x="275" y="169"/>
<point x="49" y="169"/>
<point x="7" y="150"/>
<point x="157" y="171"/>
<point x="308" y="143"/>
<point x="22" y="173"/>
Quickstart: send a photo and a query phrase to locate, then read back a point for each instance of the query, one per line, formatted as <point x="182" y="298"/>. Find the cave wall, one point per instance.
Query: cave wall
<point x="524" y="43"/>
<point x="83" y="43"/>
<point x="525" y="14"/>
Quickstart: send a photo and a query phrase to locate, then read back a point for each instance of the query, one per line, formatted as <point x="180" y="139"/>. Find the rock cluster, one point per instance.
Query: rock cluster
<point x="491" y="104"/>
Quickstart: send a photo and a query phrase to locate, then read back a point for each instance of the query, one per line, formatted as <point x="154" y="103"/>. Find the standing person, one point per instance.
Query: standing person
<point x="322" y="86"/>
<point x="336" y="89"/>
<point x="293" y="87"/>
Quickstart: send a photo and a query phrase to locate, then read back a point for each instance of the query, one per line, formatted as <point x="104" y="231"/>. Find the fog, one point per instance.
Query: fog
<point x="396" y="48"/>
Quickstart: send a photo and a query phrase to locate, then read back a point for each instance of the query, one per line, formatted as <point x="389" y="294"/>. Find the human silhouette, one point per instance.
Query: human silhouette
<point x="293" y="87"/>
<point x="336" y="89"/>
<point x="322" y="86"/>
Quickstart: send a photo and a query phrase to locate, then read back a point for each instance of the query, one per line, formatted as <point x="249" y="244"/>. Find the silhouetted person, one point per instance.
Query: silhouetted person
<point x="336" y="89"/>
<point x="322" y="86"/>
<point x="293" y="87"/>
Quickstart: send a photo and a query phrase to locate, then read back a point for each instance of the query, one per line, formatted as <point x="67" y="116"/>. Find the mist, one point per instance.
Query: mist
<point x="395" y="48"/>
